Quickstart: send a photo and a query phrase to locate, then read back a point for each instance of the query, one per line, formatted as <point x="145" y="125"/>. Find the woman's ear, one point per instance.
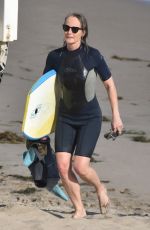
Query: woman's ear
<point x="83" y="34"/>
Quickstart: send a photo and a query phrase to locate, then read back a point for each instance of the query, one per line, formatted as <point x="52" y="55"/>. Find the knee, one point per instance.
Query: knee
<point x="80" y="170"/>
<point x="63" y="170"/>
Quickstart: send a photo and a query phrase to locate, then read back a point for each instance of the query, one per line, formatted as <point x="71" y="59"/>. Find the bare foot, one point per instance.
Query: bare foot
<point x="79" y="214"/>
<point x="103" y="200"/>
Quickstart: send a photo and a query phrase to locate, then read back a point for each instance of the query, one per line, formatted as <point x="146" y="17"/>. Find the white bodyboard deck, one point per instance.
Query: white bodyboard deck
<point x="40" y="108"/>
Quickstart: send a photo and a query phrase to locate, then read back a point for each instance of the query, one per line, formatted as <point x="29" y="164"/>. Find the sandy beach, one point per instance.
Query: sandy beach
<point x="119" y="29"/>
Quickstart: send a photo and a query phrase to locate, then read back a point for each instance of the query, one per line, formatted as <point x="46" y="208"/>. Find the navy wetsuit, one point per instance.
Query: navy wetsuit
<point x="79" y="118"/>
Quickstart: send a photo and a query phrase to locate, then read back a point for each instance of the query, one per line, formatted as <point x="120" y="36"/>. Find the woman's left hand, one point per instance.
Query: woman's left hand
<point x="117" y="125"/>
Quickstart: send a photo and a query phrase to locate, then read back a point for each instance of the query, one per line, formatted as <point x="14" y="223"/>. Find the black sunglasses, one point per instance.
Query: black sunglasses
<point x="74" y="29"/>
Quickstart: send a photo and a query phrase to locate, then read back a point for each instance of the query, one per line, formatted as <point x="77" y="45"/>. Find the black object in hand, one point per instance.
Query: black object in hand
<point x="111" y="135"/>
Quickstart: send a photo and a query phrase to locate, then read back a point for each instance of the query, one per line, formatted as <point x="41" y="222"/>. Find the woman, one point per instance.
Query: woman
<point x="79" y="117"/>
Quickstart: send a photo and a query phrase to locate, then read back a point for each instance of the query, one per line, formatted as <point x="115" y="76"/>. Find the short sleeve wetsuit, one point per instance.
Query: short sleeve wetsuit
<point x="79" y="117"/>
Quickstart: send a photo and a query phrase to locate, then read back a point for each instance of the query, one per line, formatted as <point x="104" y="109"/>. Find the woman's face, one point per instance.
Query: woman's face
<point x="73" y="39"/>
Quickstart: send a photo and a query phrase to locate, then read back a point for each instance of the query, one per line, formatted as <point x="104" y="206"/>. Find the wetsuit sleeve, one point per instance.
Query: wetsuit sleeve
<point x="101" y="67"/>
<point x="49" y="63"/>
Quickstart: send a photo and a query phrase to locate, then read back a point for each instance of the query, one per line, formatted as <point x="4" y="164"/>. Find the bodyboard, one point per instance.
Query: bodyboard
<point x="40" y="107"/>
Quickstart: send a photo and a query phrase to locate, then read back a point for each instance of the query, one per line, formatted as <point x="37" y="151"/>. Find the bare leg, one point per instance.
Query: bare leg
<point x="70" y="182"/>
<point x="87" y="173"/>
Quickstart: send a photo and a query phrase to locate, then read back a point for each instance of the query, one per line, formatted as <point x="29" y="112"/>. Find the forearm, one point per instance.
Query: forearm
<point x="113" y="98"/>
<point x="112" y="95"/>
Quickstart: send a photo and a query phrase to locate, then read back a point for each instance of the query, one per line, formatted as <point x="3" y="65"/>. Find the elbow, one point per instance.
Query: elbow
<point x="109" y="84"/>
